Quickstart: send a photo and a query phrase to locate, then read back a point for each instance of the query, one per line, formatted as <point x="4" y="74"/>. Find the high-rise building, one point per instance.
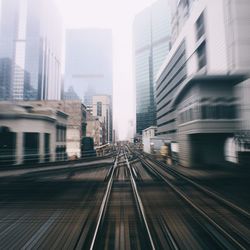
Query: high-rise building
<point x="89" y="64"/>
<point x="151" y="45"/>
<point x="102" y="108"/>
<point x="30" y="50"/>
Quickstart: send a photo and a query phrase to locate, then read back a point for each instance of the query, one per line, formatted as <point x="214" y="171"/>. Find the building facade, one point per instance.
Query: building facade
<point x="180" y="12"/>
<point x="152" y="32"/>
<point x="102" y="108"/>
<point x="76" y="124"/>
<point x="30" y="50"/>
<point x="195" y="93"/>
<point x="94" y="129"/>
<point x="89" y="67"/>
<point x="31" y="135"/>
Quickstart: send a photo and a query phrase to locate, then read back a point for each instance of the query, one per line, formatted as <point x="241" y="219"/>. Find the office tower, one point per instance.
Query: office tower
<point x="89" y="65"/>
<point x="30" y="50"/>
<point x="151" y="46"/>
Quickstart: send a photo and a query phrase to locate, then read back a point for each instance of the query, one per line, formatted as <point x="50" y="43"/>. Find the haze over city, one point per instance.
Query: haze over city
<point x="124" y="125"/>
<point x="118" y="16"/>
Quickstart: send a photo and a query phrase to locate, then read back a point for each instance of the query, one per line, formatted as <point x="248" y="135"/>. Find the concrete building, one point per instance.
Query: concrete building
<point x="102" y="108"/>
<point x="30" y="50"/>
<point x="94" y="129"/>
<point x="180" y="12"/>
<point x="76" y="125"/>
<point x="31" y="134"/>
<point x="89" y="67"/>
<point x="151" y="45"/>
<point x="195" y="93"/>
<point x="147" y="135"/>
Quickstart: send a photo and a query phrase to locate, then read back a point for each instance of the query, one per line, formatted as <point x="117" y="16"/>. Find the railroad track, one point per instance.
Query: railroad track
<point x="121" y="222"/>
<point x="50" y="212"/>
<point x="116" y="207"/>
<point x="225" y="221"/>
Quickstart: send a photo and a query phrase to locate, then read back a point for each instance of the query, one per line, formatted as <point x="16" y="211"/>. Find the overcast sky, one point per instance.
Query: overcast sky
<point x="117" y="15"/>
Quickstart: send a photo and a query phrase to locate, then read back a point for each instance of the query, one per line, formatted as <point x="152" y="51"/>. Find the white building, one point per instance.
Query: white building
<point x="31" y="135"/>
<point x="195" y="94"/>
<point x="147" y="135"/>
<point x="76" y="125"/>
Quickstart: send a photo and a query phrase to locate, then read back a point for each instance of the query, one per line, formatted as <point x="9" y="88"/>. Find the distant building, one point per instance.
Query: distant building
<point x="102" y="108"/>
<point x="30" y="50"/>
<point x="151" y="45"/>
<point x="89" y="67"/>
<point x="147" y="135"/>
<point x="114" y="136"/>
<point x="94" y="129"/>
<point x="130" y="130"/>
<point x="195" y="91"/>
<point x="70" y="94"/>
<point x="89" y="108"/>
<point x="31" y="134"/>
<point x="5" y="78"/>
<point x="76" y="124"/>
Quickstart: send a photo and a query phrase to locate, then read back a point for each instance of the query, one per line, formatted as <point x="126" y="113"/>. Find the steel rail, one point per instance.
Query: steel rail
<point x="200" y="187"/>
<point x="195" y="207"/>
<point x="170" y="237"/>
<point x="103" y="206"/>
<point x="140" y="205"/>
<point x="206" y="190"/>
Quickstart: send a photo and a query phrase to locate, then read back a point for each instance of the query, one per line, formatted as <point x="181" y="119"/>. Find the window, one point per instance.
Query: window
<point x="47" y="147"/>
<point x="201" y="54"/>
<point x="200" y="27"/>
<point x="31" y="147"/>
<point x="99" y="109"/>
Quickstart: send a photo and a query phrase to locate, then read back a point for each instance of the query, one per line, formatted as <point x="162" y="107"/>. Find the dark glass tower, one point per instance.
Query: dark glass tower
<point x="151" y="46"/>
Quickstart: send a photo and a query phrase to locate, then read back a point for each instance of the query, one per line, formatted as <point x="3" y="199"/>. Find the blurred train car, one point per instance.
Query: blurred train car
<point x="87" y="147"/>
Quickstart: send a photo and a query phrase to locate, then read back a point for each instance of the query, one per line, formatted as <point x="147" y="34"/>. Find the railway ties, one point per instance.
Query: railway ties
<point x="50" y="211"/>
<point x="226" y="224"/>
<point x="121" y="223"/>
<point x="133" y="203"/>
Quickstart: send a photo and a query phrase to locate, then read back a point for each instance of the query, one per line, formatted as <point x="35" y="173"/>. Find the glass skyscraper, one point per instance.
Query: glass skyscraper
<point x="88" y="67"/>
<point x="152" y="33"/>
<point x="30" y="50"/>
